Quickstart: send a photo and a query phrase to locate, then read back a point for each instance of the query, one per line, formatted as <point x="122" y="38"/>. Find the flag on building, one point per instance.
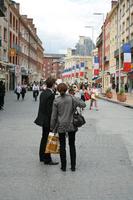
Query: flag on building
<point x="127" y="57"/>
<point x="82" y="69"/>
<point x="96" y="65"/>
<point x="73" y="71"/>
<point x="77" y="70"/>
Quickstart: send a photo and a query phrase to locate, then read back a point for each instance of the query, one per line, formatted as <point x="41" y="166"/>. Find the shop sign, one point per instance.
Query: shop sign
<point x="12" y="52"/>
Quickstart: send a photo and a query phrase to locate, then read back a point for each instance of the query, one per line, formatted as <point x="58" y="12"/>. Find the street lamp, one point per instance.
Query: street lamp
<point x="92" y="28"/>
<point x="102" y="14"/>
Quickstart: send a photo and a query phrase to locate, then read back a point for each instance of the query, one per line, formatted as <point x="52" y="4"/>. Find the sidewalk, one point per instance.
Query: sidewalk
<point x="128" y="103"/>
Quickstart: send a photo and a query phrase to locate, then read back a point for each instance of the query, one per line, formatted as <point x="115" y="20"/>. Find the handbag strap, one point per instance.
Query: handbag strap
<point x="75" y="108"/>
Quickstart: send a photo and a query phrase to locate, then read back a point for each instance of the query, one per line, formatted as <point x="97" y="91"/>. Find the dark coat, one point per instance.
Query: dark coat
<point x="45" y="108"/>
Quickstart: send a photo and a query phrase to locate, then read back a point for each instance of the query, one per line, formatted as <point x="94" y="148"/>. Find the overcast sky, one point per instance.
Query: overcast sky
<point x="59" y="23"/>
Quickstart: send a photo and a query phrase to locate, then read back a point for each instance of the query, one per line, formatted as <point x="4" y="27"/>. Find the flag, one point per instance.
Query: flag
<point x="127" y="57"/>
<point x="77" y="70"/>
<point x="82" y="69"/>
<point x="96" y="65"/>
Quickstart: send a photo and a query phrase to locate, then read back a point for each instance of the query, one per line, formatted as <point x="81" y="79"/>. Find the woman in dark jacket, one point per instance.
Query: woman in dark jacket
<point x="62" y="119"/>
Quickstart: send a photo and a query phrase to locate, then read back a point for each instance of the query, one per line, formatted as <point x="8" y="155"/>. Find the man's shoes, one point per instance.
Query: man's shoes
<point x="42" y="160"/>
<point x="51" y="163"/>
<point x="73" y="169"/>
<point x="63" y="169"/>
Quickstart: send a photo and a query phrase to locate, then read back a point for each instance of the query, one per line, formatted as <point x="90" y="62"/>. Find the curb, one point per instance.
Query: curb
<point x="116" y="102"/>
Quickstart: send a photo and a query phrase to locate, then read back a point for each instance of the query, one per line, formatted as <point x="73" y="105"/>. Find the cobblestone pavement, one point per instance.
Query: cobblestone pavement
<point x="104" y="156"/>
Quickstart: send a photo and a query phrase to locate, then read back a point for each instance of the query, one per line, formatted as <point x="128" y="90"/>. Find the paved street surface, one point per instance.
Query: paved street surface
<point x="104" y="156"/>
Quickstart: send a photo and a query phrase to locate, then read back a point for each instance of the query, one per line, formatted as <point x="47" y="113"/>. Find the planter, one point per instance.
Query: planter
<point x="109" y="95"/>
<point x="121" y="97"/>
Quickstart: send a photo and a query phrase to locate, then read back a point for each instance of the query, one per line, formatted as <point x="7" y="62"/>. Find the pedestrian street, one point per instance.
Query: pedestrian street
<point x="104" y="155"/>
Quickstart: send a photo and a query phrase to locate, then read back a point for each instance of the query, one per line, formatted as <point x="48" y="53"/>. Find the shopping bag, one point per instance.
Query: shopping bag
<point x="87" y="96"/>
<point x="52" y="144"/>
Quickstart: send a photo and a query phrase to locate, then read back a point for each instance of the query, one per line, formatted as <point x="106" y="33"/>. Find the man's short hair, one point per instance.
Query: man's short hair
<point x="50" y="82"/>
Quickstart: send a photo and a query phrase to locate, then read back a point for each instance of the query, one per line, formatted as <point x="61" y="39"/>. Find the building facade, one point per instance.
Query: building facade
<point x="77" y="68"/>
<point x="21" y="50"/>
<point x="53" y="65"/>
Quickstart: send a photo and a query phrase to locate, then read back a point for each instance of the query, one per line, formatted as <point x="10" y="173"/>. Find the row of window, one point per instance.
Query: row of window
<point x="14" y="22"/>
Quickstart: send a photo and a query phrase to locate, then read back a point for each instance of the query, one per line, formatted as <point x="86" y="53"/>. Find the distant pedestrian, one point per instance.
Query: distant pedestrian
<point x="126" y="87"/>
<point x="62" y="119"/>
<point x="2" y="94"/>
<point x="23" y="91"/>
<point x="43" y="119"/>
<point x="94" y="95"/>
<point x="81" y="92"/>
<point x="18" y="91"/>
<point x="35" y="90"/>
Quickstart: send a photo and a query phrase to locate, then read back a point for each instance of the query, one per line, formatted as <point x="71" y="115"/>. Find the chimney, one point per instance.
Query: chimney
<point x="113" y="3"/>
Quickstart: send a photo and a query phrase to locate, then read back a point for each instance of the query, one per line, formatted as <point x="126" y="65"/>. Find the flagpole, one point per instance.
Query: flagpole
<point x="119" y="23"/>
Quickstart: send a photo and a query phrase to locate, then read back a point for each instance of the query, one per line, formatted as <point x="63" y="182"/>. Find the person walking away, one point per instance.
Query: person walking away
<point x="94" y="94"/>
<point x="126" y="87"/>
<point x="43" y="119"/>
<point x="2" y="94"/>
<point x="81" y="92"/>
<point x="35" y="89"/>
<point x="23" y="91"/>
<point x="18" y="91"/>
<point x="62" y="119"/>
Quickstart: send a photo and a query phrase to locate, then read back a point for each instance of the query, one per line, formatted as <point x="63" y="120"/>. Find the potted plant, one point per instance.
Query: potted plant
<point x="121" y="96"/>
<point x="109" y="93"/>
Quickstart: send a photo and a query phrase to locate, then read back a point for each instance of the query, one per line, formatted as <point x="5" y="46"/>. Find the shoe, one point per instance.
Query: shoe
<point x="42" y="160"/>
<point x="51" y="163"/>
<point x="73" y="169"/>
<point x="63" y="169"/>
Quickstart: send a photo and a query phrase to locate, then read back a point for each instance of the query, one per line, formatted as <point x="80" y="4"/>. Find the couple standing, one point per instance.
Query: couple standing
<point x="57" y="113"/>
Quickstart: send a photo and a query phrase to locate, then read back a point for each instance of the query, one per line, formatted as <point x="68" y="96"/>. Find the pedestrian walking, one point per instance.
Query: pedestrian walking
<point x="2" y="94"/>
<point x="62" y="119"/>
<point x="81" y="92"/>
<point x="18" y="91"/>
<point x="94" y="95"/>
<point x="23" y="91"/>
<point x="43" y="119"/>
<point x="35" y="90"/>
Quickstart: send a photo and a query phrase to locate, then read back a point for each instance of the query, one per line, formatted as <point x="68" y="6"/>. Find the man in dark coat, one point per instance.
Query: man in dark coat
<point x="2" y="94"/>
<point x="43" y="119"/>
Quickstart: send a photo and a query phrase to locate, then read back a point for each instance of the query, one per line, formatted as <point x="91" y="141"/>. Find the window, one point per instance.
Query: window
<point x="132" y="18"/>
<point x="127" y="23"/>
<point x="10" y="19"/>
<point x="5" y="34"/>
<point x="127" y="4"/>
<point x="127" y="38"/>
<point x="132" y="36"/>
<point x="123" y="26"/>
<point x="13" y="22"/>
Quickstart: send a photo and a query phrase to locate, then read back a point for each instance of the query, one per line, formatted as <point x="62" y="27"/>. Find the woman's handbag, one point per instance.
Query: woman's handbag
<point x="78" y="119"/>
<point x="52" y="144"/>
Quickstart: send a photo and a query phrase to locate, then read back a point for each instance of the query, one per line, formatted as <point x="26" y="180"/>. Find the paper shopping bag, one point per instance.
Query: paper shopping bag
<point x="52" y="144"/>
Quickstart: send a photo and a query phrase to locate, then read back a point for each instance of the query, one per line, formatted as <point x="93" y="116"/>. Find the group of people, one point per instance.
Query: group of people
<point x="87" y="93"/>
<point x="20" y="91"/>
<point x="56" y="115"/>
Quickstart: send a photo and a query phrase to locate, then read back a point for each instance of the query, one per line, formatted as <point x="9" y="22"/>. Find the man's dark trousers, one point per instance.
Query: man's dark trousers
<point x="46" y="157"/>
